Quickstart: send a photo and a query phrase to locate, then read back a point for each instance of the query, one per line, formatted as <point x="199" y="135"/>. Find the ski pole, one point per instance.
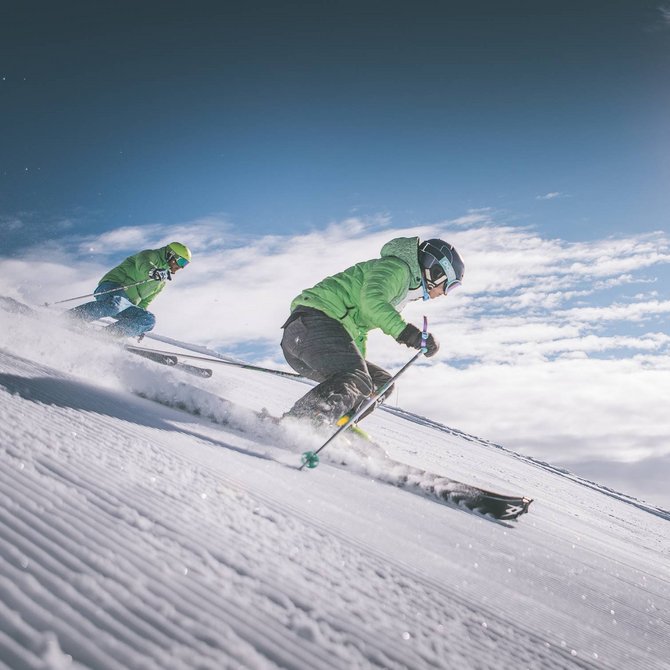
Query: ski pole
<point x="213" y="359"/>
<point x="310" y="459"/>
<point x="90" y="295"/>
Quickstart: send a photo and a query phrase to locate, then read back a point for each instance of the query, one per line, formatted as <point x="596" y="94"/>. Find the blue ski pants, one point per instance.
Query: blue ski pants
<point x="131" y="321"/>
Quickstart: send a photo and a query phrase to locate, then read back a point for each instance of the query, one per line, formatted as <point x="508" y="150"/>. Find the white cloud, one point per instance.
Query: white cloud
<point x="560" y="411"/>
<point x="479" y="217"/>
<point x="637" y="311"/>
<point x="204" y="233"/>
<point x="550" y="196"/>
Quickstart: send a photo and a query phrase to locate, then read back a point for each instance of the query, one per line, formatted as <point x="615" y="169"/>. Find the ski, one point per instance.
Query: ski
<point x="498" y="505"/>
<point x="367" y="457"/>
<point x="196" y="370"/>
<point x="171" y="360"/>
<point x="163" y="359"/>
<point x="217" y="358"/>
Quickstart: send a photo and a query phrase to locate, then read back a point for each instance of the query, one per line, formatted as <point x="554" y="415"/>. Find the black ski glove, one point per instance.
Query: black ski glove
<point x="411" y="337"/>
<point x="160" y="275"/>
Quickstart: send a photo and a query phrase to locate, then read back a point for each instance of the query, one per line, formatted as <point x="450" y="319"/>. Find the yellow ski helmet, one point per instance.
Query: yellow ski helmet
<point x="180" y="252"/>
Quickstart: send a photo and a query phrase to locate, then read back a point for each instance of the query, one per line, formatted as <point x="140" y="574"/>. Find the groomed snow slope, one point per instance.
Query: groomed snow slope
<point x="135" y="534"/>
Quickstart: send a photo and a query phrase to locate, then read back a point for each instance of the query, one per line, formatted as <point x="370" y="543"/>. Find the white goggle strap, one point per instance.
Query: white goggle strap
<point x="448" y="270"/>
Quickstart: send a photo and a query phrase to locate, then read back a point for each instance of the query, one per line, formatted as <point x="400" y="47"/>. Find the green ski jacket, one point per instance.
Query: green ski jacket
<point x="137" y="268"/>
<point x="364" y="296"/>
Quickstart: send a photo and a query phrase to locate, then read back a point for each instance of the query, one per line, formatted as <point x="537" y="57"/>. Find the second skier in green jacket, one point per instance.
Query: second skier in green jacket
<point x="325" y="336"/>
<point x="126" y="291"/>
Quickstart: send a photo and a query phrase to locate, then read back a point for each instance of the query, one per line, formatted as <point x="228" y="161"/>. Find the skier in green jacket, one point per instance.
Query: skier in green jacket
<point x="325" y="336"/>
<point x="126" y="290"/>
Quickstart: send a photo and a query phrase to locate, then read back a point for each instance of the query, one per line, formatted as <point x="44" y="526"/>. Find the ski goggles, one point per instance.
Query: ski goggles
<point x="179" y="260"/>
<point x="449" y="286"/>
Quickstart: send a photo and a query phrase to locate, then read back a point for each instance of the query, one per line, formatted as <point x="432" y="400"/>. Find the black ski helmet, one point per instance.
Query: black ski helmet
<point x="439" y="259"/>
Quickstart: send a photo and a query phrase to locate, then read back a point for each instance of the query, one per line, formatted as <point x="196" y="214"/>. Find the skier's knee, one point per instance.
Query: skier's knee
<point x="148" y="321"/>
<point x="361" y="381"/>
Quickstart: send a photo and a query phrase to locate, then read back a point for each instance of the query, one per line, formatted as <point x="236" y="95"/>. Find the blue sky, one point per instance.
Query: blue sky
<point x="286" y="141"/>
<point x="284" y="116"/>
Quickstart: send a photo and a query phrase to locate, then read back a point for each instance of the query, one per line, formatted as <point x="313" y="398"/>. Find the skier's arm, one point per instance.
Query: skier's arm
<point x="145" y="264"/>
<point x="386" y="280"/>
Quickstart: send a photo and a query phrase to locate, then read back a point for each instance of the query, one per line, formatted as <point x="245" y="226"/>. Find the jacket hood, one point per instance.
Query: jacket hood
<point x="407" y="250"/>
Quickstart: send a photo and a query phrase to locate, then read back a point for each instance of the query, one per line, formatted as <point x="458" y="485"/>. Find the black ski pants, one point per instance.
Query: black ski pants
<point x="319" y="348"/>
